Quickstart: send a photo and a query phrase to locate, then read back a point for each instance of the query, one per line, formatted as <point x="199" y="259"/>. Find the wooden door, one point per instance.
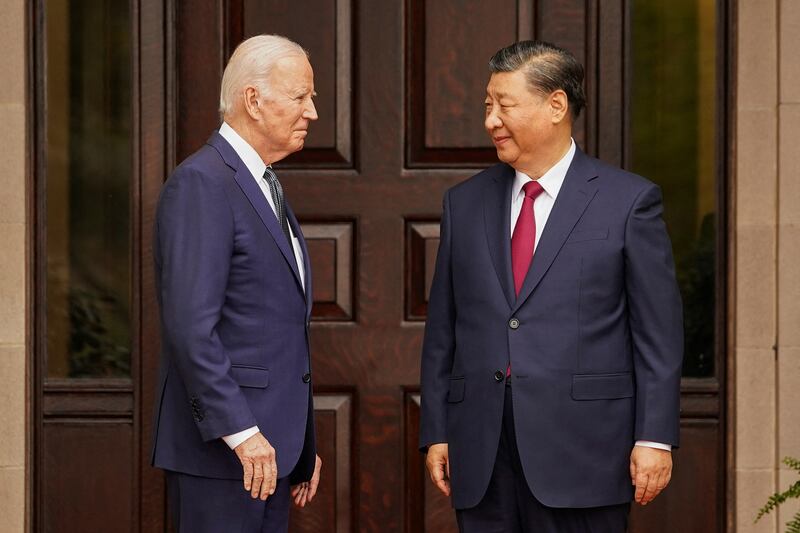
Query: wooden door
<point x="401" y="86"/>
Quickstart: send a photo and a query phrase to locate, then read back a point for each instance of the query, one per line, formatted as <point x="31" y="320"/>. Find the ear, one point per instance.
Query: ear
<point x="559" y="105"/>
<point x="251" y="102"/>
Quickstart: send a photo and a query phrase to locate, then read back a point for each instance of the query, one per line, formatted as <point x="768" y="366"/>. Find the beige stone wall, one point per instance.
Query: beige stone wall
<point x="788" y="338"/>
<point x="13" y="269"/>
<point x="767" y="256"/>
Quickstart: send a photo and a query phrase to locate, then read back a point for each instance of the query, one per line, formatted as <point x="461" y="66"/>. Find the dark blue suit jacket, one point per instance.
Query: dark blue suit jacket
<point x="234" y="321"/>
<point x="595" y="338"/>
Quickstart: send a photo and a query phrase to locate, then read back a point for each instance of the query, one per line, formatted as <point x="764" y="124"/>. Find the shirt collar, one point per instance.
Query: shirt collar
<point x="552" y="180"/>
<point x="246" y="153"/>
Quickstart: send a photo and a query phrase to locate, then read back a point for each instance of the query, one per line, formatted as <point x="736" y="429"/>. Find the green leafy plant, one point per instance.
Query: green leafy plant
<point x="779" y="497"/>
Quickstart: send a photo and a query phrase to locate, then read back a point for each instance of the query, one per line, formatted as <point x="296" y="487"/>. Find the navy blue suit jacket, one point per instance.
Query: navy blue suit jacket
<point x="234" y="321"/>
<point x="595" y="337"/>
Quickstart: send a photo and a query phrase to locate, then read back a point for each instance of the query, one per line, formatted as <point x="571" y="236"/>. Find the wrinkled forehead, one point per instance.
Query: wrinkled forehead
<point x="292" y="73"/>
<point x="507" y="84"/>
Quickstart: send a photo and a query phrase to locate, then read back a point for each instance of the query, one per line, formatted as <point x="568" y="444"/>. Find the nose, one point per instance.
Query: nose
<point x="310" y="112"/>
<point x="492" y="121"/>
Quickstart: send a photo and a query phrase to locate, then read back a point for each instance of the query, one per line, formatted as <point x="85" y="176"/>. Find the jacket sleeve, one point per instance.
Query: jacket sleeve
<point x="194" y="241"/>
<point x="656" y="320"/>
<point x="439" y="343"/>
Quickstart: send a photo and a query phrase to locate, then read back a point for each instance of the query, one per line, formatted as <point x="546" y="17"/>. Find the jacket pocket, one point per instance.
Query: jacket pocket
<point x="588" y="235"/>
<point x="456" y="393"/>
<point x="250" y="376"/>
<point x="602" y="386"/>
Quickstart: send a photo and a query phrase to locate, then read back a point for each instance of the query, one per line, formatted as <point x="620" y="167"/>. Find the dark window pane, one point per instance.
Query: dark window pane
<point x="87" y="180"/>
<point x="673" y="120"/>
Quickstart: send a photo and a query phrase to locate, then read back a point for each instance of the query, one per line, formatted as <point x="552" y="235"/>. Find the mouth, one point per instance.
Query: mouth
<point x="499" y="141"/>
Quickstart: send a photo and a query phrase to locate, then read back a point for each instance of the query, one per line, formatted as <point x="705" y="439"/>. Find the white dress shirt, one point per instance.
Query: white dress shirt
<point x="551" y="182"/>
<point x="256" y="166"/>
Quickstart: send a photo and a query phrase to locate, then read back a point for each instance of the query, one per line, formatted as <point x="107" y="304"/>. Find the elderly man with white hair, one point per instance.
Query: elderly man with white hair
<point x="234" y="426"/>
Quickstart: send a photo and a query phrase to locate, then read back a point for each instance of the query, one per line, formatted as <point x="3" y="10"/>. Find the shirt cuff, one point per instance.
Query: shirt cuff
<point x="656" y="445"/>
<point x="237" y="438"/>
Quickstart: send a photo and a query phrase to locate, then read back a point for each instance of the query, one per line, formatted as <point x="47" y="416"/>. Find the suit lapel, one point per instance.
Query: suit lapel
<point x="298" y="232"/>
<point x="256" y="198"/>
<point x="497" y="214"/>
<point x="576" y="193"/>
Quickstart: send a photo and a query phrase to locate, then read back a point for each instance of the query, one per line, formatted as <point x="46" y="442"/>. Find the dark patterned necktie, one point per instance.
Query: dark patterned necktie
<point x="276" y="191"/>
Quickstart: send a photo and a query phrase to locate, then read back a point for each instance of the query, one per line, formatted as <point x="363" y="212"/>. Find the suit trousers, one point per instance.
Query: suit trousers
<point x="206" y="505"/>
<point x="509" y="506"/>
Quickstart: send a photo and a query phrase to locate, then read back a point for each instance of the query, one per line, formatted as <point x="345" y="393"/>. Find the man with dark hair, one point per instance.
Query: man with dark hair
<point x="552" y="356"/>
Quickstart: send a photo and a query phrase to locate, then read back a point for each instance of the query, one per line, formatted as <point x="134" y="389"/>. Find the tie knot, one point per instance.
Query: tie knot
<point x="532" y="189"/>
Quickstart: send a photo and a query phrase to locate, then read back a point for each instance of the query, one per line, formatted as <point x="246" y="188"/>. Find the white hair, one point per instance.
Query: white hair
<point x="251" y="64"/>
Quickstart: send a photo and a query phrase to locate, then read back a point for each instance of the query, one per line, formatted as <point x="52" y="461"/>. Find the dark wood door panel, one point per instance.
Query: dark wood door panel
<point x="324" y="28"/>
<point x="331" y="249"/>
<point x="448" y="46"/>
<point x="332" y="510"/>
<point x="422" y="244"/>
<point x="199" y="60"/>
<point x="83" y="459"/>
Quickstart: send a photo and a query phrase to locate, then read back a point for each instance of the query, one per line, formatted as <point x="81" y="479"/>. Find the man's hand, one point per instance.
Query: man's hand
<point x="438" y="463"/>
<point x="304" y="492"/>
<point x="651" y="470"/>
<point x="260" y="466"/>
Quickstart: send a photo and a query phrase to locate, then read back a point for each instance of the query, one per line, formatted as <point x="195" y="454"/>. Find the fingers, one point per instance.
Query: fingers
<point x="300" y="494"/>
<point x="314" y="483"/>
<point x="267" y="486"/>
<point x="296" y="489"/>
<point x="273" y="463"/>
<point x="258" y="480"/>
<point x="248" y="475"/>
<point x="438" y="464"/>
<point x="269" y="469"/>
<point x="651" y="489"/>
<point x="304" y="492"/>
<point x="312" y="488"/>
<point x="633" y="472"/>
<point x="641" y="486"/>
<point x="438" y="473"/>
<point x="656" y="484"/>
<point x="649" y="482"/>
<point x="651" y="471"/>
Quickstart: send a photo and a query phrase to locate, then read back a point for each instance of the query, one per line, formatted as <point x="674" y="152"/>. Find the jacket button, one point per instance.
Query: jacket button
<point x="499" y="376"/>
<point x="513" y="323"/>
<point x="306" y="378"/>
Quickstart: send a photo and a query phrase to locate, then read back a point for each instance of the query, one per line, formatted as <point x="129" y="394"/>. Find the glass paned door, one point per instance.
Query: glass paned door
<point x="88" y="181"/>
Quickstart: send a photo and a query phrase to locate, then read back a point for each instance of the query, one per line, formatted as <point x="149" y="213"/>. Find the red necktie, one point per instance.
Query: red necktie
<point x="524" y="238"/>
